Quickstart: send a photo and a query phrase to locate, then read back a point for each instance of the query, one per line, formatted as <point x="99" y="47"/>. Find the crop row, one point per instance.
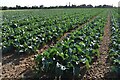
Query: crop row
<point x="78" y="49"/>
<point x="30" y="17"/>
<point x="27" y="38"/>
<point x="115" y="43"/>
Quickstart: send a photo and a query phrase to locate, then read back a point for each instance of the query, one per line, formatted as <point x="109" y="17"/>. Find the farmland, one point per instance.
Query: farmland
<point x="43" y="29"/>
<point x="61" y="43"/>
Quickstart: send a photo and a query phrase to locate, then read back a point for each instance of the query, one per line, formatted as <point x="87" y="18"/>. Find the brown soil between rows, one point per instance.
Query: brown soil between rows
<point x="22" y="66"/>
<point x="101" y="66"/>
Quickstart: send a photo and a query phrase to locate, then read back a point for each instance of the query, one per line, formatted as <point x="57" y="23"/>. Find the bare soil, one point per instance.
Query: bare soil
<point x="101" y="66"/>
<point x="22" y="66"/>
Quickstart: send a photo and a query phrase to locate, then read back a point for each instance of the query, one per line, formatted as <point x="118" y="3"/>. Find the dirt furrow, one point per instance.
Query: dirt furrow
<point x="101" y="66"/>
<point x="18" y="66"/>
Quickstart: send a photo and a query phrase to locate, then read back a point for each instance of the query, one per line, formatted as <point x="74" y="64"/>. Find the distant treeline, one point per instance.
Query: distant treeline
<point x="51" y="7"/>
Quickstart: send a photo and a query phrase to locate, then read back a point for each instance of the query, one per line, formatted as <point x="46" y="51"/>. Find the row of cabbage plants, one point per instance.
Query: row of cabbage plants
<point x="38" y="30"/>
<point x="115" y="43"/>
<point x="78" y="49"/>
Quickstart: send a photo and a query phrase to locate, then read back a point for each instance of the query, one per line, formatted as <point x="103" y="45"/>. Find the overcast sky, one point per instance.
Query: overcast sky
<point x="56" y="2"/>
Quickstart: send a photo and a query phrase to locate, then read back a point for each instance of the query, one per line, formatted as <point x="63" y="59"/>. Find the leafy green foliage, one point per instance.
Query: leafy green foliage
<point x="75" y="51"/>
<point x="27" y="31"/>
<point x="115" y="43"/>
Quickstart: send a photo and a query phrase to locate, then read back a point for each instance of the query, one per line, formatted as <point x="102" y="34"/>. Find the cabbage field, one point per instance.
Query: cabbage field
<point x="27" y="34"/>
<point x="74" y="39"/>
